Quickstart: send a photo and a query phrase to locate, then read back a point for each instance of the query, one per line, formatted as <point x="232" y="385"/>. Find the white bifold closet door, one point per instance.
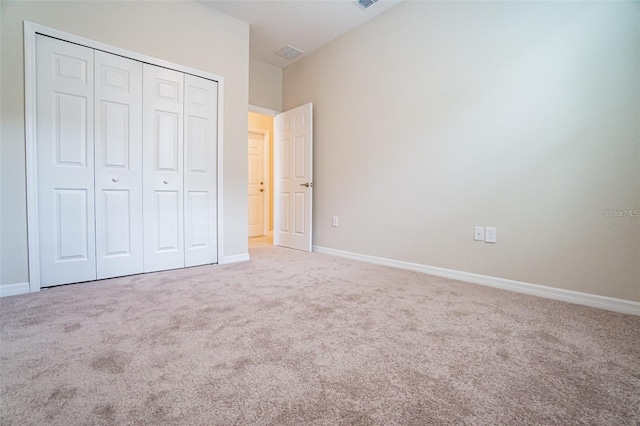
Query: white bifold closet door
<point x="64" y="125"/>
<point x="163" y="174"/>
<point x="118" y="163"/>
<point x="126" y="165"/>
<point x="180" y="135"/>
<point x="200" y="183"/>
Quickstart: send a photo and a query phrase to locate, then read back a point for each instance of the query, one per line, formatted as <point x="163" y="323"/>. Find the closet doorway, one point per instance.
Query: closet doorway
<point x="105" y="129"/>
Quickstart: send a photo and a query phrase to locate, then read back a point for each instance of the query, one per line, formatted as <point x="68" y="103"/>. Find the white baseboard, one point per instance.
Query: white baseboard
<point x="235" y="258"/>
<point x="13" y="289"/>
<point x="593" y="300"/>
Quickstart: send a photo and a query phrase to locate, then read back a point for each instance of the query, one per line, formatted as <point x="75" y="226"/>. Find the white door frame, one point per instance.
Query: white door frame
<point x="30" y="31"/>
<point x="267" y="170"/>
<point x="264" y="111"/>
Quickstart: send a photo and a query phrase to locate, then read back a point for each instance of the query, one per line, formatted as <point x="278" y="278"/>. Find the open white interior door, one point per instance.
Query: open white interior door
<point x="293" y="186"/>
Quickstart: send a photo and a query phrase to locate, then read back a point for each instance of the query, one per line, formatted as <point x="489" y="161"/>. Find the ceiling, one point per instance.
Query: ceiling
<point x="303" y="24"/>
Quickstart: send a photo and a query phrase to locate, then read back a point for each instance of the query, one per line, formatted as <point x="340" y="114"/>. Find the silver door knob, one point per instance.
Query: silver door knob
<point x="114" y="179"/>
<point x="308" y="184"/>
<point x="166" y="182"/>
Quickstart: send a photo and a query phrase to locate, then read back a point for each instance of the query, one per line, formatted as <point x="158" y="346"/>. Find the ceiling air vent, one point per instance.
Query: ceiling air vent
<point x="363" y="4"/>
<point x="289" y="52"/>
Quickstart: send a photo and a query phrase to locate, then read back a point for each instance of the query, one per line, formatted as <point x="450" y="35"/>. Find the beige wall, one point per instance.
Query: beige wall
<point x="265" y="85"/>
<point x="265" y="91"/>
<point x="439" y="116"/>
<point x="183" y="32"/>
<point x="265" y="123"/>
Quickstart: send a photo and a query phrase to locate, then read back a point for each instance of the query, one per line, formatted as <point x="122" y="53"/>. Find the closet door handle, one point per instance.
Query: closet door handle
<point x="114" y="179"/>
<point x="166" y="182"/>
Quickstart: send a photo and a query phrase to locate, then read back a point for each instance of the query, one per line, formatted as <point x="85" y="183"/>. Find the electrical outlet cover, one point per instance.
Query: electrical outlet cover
<point x="479" y="233"/>
<point x="491" y="236"/>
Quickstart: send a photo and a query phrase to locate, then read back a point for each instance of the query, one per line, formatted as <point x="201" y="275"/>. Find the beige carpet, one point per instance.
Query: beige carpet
<point x="298" y="338"/>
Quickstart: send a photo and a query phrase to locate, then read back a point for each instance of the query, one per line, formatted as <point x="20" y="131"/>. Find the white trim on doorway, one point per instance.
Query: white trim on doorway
<point x="236" y="258"/>
<point x="30" y="31"/>
<point x="263" y="111"/>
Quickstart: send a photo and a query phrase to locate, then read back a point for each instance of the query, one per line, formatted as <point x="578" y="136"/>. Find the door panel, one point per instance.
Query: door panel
<point x="198" y="145"/>
<point x="200" y="171"/>
<point x="167" y="140"/>
<point x="162" y="168"/>
<point x="117" y="227"/>
<point x="71" y="125"/>
<point x="114" y="133"/>
<point x="72" y="226"/>
<point x="299" y="157"/>
<point x="197" y="218"/>
<point x="64" y="127"/>
<point x="285" y="166"/>
<point x="300" y="213"/>
<point x="294" y="185"/>
<point x="167" y="208"/>
<point x="118" y="158"/>
<point x="284" y="213"/>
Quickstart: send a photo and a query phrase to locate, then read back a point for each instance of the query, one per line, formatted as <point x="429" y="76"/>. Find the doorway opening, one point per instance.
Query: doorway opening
<point x="286" y="169"/>
<point x="260" y="179"/>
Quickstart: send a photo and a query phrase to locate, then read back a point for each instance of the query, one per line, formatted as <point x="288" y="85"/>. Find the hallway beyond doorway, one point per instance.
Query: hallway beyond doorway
<point x="263" y="241"/>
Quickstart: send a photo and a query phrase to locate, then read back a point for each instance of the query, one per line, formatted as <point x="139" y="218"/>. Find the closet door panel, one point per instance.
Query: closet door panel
<point x="163" y="180"/>
<point x="64" y="128"/>
<point x="200" y="171"/>
<point x="118" y="154"/>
